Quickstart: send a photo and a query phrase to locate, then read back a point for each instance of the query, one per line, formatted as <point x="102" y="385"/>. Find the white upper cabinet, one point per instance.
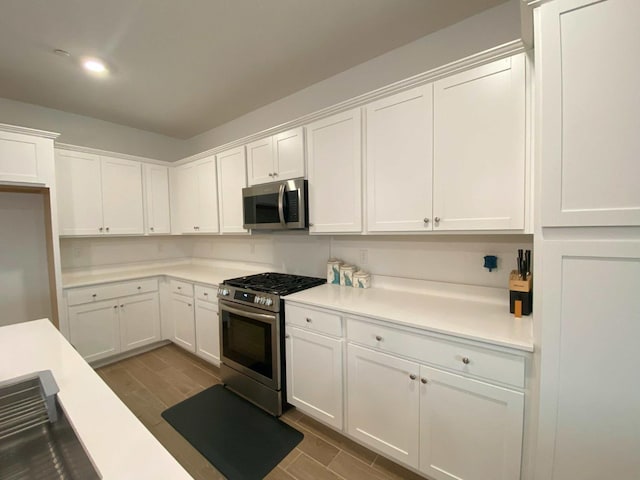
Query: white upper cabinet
<point x="335" y="171"/>
<point x="399" y="159"/>
<point x="122" y="196"/>
<point x="79" y="190"/>
<point x="156" y="185"/>
<point x="279" y="157"/>
<point x="195" y="197"/>
<point x="232" y="178"/>
<point x="479" y="148"/>
<point x="589" y="72"/>
<point x="98" y="195"/>
<point x="25" y="158"/>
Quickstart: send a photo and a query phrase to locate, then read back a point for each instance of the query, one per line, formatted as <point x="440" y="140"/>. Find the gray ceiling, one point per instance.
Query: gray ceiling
<point x="179" y="68"/>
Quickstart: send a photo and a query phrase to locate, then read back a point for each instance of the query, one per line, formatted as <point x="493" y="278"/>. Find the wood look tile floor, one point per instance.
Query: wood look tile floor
<point x="153" y="381"/>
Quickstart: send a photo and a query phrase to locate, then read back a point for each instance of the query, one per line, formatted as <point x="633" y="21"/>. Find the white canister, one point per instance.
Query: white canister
<point x="346" y="275"/>
<point x="361" y="279"/>
<point x="333" y="271"/>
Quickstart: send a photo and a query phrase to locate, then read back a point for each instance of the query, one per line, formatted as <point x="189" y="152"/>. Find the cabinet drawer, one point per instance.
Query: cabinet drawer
<point x="77" y="296"/>
<point x="467" y="359"/>
<point x="181" y="288"/>
<point x="316" y="320"/>
<point x="208" y="294"/>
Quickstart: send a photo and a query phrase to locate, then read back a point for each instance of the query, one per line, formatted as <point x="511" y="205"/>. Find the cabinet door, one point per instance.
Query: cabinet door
<point x="479" y="148"/>
<point x="399" y="159"/>
<point x="232" y="178"/>
<point x="288" y="149"/>
<point x="335" y="173"/>
<point x="207" y="331"/>
<point x="589" y="72"/>
<point x="314" y="375"/>
<point x="122" y="196"/>
<point x="156" y="181"/>
<point x="260" y="167"/>
<point x="139" y="320"/>
<point x="79" y="192"/>
<point x="589" y="424"/>
<point x="21" y="156"/>
<point x="469" y="430"/>
<point x="182" y="318"/>
<point x="383" y="403"/>
<point x="94" y="329"/>
<point x="184" y="187"/>
<point x="205" y="171"/>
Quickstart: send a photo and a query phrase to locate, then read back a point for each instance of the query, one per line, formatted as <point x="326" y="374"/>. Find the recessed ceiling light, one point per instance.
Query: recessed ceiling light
<point x="94" y="65"/>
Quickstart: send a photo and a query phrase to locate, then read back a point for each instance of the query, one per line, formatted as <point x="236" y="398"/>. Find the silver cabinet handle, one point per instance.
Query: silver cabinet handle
<point x="436" y="220"/>
<point x="466" y="360"/>
<point x="139" y="287"/>
<point x="287" y="336"/>
<point x="425" y="220"/>
<point x="122" y="305"/>
<point x="179" y="288"/>
<point x="205" y="294"/>
<point x="378" y="338"/>
<point x="308" y="320"/>
<point x="94" y="295"/>
<point x="311" y="224"/>
<point x="151" y="228"/>
<point x="100" y="229"/>
<point x="412" y="376"/>
<point x="107" y="229"/>
<point x="271" y="174"/>
<point x="115" y="306"/>
<point x="188" y="304"/>
<point x="275" y="174"/>
<point x="424" y="380"/>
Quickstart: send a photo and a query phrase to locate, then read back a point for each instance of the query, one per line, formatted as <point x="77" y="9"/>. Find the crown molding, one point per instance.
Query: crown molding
<point x="122" y="156"/>
<point x="28" y="131"/>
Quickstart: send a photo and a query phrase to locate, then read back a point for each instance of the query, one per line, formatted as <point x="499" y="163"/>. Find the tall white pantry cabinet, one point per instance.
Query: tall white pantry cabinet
<point x="588" y="239"/>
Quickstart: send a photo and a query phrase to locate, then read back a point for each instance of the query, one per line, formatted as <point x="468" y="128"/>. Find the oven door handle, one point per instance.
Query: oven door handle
<point x="244" y="313"/>
<point x="281" y="203"/>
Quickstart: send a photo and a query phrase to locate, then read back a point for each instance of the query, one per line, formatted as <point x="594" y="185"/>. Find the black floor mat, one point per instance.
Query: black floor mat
<point x="238" y="438"/>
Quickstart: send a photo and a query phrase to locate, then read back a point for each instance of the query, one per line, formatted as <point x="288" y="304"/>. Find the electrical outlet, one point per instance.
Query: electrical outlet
<point x="364" y="256"/>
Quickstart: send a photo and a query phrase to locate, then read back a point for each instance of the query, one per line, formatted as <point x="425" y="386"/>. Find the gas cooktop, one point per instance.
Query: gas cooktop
<point x="275" y="283"/>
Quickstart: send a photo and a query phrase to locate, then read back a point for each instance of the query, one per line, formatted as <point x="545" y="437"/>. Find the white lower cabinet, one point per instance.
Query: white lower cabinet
<point x="383" y="403"/>
<point x="207" y="331"/>
<point x="314" y="374"/>
<point x="182" y="320"/>
<point x="103" y="328"/>
<point x="94" y="330"/>
<point x="468" y="429"/>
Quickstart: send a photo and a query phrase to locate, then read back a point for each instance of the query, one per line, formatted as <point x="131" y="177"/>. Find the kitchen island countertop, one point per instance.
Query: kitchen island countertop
<point x="118" y="444"/>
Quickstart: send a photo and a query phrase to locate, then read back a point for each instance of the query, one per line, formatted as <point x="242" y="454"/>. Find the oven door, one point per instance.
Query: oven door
<point x="250" y="342"/>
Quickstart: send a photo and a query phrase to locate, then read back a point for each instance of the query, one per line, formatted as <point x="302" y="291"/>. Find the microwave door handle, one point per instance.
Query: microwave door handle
<point x="281" y="204"/>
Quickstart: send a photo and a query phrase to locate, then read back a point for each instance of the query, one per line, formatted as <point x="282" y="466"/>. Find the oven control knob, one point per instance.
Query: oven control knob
<point x="268" y="302"/>
<point x="223" y="291"/>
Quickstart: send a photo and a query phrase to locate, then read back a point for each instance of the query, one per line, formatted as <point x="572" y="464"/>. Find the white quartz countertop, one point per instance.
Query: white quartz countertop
<point x="488" y="322"/>
<point x="211" y="275"/>
<point x="118" y="444"/>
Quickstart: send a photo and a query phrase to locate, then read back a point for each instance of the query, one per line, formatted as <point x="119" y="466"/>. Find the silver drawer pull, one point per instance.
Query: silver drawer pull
<point x="412" y="376"/>
<point x="287" y="336"/>
<point x="179" y="288"/>
<point x="205" y="294"/>
<point x="308" y="320"/>
<point x="139" y="288"/>
<point x="94" y="295"/>
<point x="424" y="380"/>
<point x="378" y="338"/>
<point x="466" y="360"/>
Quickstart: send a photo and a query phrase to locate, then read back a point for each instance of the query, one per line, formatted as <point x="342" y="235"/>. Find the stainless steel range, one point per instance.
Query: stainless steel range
<point x="251" y="313"/>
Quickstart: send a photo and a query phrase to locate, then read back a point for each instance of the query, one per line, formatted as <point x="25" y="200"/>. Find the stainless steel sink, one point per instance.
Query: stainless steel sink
<point x="36" y="438"/>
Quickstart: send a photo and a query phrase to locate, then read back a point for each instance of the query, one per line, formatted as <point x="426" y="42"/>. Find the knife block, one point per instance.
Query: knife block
<point x="520" y="290"/>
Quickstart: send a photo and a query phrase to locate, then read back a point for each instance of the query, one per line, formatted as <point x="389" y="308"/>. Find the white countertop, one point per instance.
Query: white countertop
<point x="208" y="274"/>
<point x="488" y="322"/>
<point x="118" y="444"/>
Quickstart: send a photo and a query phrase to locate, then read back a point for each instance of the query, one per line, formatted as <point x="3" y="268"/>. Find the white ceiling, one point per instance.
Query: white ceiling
<point x="179" y="68"/>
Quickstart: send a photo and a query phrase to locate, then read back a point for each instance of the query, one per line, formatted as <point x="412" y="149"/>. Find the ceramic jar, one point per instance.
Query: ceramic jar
<point x="346" y="275"/>
<point x="333" y="271"/>
<point x="361" y="279"/>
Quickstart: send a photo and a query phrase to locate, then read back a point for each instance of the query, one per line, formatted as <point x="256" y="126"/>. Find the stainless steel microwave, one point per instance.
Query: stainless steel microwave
<point x="276" y="206"/>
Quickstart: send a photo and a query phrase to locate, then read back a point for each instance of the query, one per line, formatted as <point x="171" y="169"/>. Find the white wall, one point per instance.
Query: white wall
<point x="24" y="277"/>
<point x="90" y="132"/>
<point x="488" y="29"/>
<point x="83" y="253"/>
<point x="442" y="258"/>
